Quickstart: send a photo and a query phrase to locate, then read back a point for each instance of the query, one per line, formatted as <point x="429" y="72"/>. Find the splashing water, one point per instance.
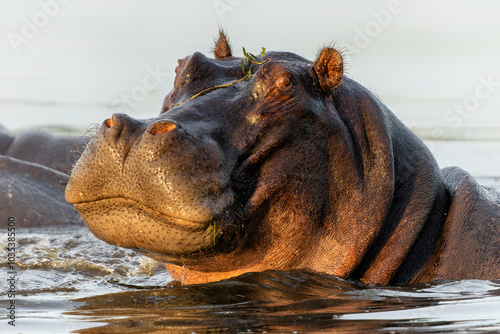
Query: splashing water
<point x="69" y="281"/>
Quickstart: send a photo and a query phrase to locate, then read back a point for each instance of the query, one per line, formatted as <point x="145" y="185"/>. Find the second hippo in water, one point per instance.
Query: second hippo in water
<point x="34" y="170"/>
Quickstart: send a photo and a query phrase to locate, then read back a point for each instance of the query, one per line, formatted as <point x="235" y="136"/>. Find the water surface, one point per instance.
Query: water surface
<point x="69" y="281"/>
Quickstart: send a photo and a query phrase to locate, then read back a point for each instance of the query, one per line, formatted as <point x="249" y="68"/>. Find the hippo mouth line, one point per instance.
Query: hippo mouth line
<point x="185" y="224"/>
<point x="130" y="224"/>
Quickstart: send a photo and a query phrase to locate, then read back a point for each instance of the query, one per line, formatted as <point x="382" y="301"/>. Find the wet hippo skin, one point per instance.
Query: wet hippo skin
<point x="34" y="170"/>
<point x="287" y="164"/>
<point x="54" y="151"/>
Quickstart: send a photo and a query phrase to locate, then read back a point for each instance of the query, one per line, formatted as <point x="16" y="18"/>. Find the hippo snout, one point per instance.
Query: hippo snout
<point x="147" y="176"/>
<point x="117" y="123"/>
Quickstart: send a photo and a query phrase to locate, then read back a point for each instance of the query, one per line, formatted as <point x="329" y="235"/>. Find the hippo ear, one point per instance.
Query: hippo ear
<point x="222" y="48"/>
<point x="329" y="68"/>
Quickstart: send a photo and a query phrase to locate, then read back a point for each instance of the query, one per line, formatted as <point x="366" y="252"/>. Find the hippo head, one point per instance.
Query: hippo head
<point x="265" y="162"/>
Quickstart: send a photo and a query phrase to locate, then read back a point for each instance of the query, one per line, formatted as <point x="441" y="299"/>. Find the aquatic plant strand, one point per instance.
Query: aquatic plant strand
<point x="247" y="56"/>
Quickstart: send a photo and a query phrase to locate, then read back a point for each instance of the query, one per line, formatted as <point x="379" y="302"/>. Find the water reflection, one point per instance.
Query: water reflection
<point x="72" y="282"/>
<point x="279" y="302"/>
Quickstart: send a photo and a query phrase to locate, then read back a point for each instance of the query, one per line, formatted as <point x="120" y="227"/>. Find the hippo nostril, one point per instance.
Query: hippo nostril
<point x="109" y="122"/>
<point x="162" y="127"/>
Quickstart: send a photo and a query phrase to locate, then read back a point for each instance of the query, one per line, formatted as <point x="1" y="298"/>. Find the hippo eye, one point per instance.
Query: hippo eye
<point x="284" y="82"/>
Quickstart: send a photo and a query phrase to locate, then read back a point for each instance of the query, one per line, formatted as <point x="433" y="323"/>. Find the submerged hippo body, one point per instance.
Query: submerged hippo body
<point x="34" y="170"/>
<point x="290" y="165"/>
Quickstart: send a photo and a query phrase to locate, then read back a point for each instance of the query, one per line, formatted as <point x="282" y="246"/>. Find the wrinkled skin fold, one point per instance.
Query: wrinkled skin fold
<point x="294" y="167"/>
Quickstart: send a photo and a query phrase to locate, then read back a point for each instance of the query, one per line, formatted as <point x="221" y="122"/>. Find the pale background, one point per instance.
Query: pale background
<point x="422" y="58"/>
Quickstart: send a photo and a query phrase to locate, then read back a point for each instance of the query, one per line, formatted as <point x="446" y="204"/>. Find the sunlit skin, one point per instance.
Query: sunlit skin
<point x="279" y="163"/>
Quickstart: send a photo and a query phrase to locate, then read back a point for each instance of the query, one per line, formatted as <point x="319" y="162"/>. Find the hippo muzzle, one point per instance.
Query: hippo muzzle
<point x="152" y="185"/>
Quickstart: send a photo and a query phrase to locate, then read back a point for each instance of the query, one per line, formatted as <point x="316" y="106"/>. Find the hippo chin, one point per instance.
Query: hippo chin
<point x="287" y="164"/>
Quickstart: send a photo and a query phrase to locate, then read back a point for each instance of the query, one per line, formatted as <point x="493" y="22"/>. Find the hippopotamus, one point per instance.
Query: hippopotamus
<point x="276" y="162"/>
<point x="34" y="170"/>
